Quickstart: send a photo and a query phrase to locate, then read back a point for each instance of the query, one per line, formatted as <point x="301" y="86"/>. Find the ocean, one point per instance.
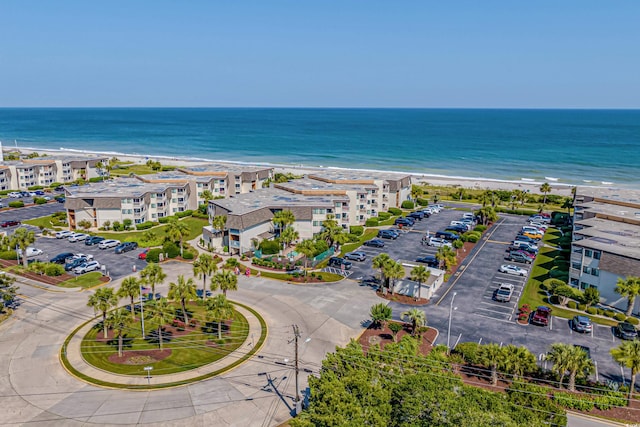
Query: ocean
<point x="574" y="147"/>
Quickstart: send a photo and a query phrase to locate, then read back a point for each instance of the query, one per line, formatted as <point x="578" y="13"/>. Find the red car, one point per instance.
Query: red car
<point x="11" y="223"/>
<point x="143" y="254"/>
<point x="541" y="316"/>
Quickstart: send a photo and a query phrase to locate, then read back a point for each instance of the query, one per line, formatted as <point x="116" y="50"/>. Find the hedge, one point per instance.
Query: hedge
<point x="39" y="200"/>
<point x="55" y="184"/>
<point x="422" y="202"/>
<point x="573" y="401"/>
<point x="198" y="214"/>
<point x="8" y="255"/>
<point x="609" y="313"/>
<point x="269" y="247"/>
<point x="51" y="269"/>
<point x="164" y="219"/>
<point x="153" y="255"/>
<point x="471" y="236"/>
<point x="572" y="305"/>
<point x="480" y="228"/>
<point x="516" y="211"/>
<point x="16" y="204"/>
<point x="470" y="352"/>
<point x="35" y="187"/>
<point x="620" y="317"/>
<point x="5" y="192"/>
<point x="171" y="249"/>
<point x="633" y="320"/>
<point x="96" y="179"/>
<point x="356" y="229"/>
<point x="592" y="310"/>
<point x="372" y="222"/>
<point x="188" y="255"/>
<point x="146" y="225"/>
<point x="384" y="215"/>
<point x="408" y="204"/>
<point x="395" y="211"/>
<point x="184" y="214"/>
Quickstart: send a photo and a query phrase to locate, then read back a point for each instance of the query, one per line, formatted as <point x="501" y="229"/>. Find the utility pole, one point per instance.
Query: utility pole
<point x="296" y="335"/>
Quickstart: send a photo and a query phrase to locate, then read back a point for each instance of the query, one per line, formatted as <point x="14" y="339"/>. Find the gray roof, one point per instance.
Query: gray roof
<point x="313" y="186"/>
<point x="360" y="177"/>
<point x="609" y="236"/>
<point x="223" y="169"/>
<point x="610" y="195"/>
<point x="121" y="187"/>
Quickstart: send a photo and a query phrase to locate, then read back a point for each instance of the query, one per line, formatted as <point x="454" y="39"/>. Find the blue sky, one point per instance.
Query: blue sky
<point x="480" y="54"/>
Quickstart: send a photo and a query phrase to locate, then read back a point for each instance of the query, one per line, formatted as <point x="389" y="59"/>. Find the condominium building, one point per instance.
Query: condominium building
<point x="43" y="171"/>
<point x="226" y="179"/>
<point x="606" y="241"/>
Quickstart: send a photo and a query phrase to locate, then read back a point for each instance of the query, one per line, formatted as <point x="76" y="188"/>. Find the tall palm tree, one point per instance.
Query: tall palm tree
<point x="120" y="322"/>
<point x="379" y="262"/>
<point x="567" y="203"/>
<point x="446" y="256"/>
<point x="380" y="314"/>
<point x="559" y="355"/>
<point x="288" y="235"/>
<point x="630" y="289"/>
<point x="162" y="312"/>
<point x="628" y="354"/>
<point x="460" y="193"/>
<point x="492" y="355"/>
<point x="219" y="309"/>
<point x="520" y="196"/>
<point x="485" y="197"/>
<point x="518" y="360"/>
<point x="177" y="231"/>
<point x="152" y="275"/>
<point x="545" y="188"/>
<point x="308" y="249"/>
<point x="130" y="287"/>
<point x="22" y="238"/>
<point x="204" y="266"/>
<point x="487" y="214"/>
<point x="219" y="222"/>
<point x="421" y="275"/>
<point x="183" y="290"/>
<point x="416" y="191"/>
<point x="225" y="280"/>
<point x="331" y="230"/>
<point x="282" y="219"/>
<point x="578" y="364"/>
<point x="394" y="271"/>
<point x="417" y="318"/>
<point x="207" y="195"/>
<point x="102" y="300"/>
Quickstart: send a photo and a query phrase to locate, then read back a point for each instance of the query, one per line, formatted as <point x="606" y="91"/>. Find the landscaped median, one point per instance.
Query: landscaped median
<point x="189" y="354"/>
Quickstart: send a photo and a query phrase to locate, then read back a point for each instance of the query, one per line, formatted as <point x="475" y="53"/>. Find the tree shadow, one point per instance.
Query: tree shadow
<point x="212" y="327"/>
<point x="154" y="338"/>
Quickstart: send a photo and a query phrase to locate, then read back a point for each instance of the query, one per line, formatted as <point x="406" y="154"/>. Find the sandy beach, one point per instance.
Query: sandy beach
<point x="437" y="180"/>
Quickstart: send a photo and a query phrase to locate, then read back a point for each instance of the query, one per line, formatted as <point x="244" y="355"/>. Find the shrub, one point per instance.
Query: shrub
<point x="610" y="399"/>
<point x="371" y="222"/>
<point x="395" y="211"/>
<point x="269" y="247"/>
<point x="469" y="351"/>
<point x="231" y="263"/>
<point x="126" y="224"/>
<point x="117" y="226"/>
<point x="39" y="200"/>
<point x="8" y="255"/>
<point x="153" y="255"/>
<point x="422" y="202"/>
<point x="188" y="255"/>
<point x="356" y="229"/>
<point x="171" y="249"/>
<point x="384" y="215"/>
<point x="5" y="192"/>
<point x="572" y="305"/>
<point x="633" y="320"/>
<point x="52" y="269"/>
<point x="600" y="311"/>
<point x="96" y="179"/>
<point x="609" y="313"/>
<point x="145" y="225"/>
<point x="198" y="214"/>
<point x="471" y="236"/>
<point x="620" y="317"/>
<point x="408" y="204"/>
<point x="582" y="307"/>
<point x="164" y="219"/>
<point x="573" y="401"/>
<point x="480" y="228"/>
<point x="16" y="204"/>
<point x="592" y="310"/>
<point x="184" y="214"/>
<point x="55" y="184"/>
<point x="35" y="187"/>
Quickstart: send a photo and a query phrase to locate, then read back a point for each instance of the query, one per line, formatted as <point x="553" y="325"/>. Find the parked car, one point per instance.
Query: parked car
<point x="525" y="246"/>
<point x="61" y="258"/>
<point x="404" y="221"/>
<point x="540" y="218"/>
<point x="31" y="251"/>
<point x="504" y="292"/>
<point x="521" y="238"/>
<point x="93" y="240"/>
<point x="77" y="237"/>
<point x="376" y="243"/>
<point x="430" y="260"/>
<point x="126" y="247"/>
<point x="355" y="256"/>
<point x="39" y="193"/>
<point x="25" y="194"/>
<point x="74" y="262"/>
<point x="437" y="242"/>
<point x="457" y="229"/>
<point x="89" y="257"/>
<point x="416" y="215"/>
<point x="531" y="250"/>
<point x="581" y="324"/>
<point x="447" y="235"/>
<point x="143" y="254"/>
<point x="512" y="269"/>
<point x="626" y="331"/>
<point x="87" y="267"/>
<point x="63" y="234"/>
<point x="541" y="316"/>
<point x="387" y="234"/>
<point x="60" y="199"/>
<point x="9" y="223"/>
<point x="339" y="263"/>
<point x="535" y="235"/>
<point x="109" y="243"/>
<point x="15" y="195"/>
<point x="518" y="256"/>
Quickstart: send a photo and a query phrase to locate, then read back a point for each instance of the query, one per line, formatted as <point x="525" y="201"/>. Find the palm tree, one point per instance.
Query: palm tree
<point x="394" y="271"/>
<point x="102" y="300"/>
<point x="520" y="196"/>
<point x="206" y="196"/>
<point x="630" y="289"/>
<point x="130" y="287"/>
<point x="283" y="218"/>
<point x="148" y="236"/>
<point x="628" y="354"/>
<point x="416" y="191"/>
<point x="225" y="281"/>
<point x="518" y="360"/>
<point x="308" y="249"/>
<point x="380" y="314"/>
<point x="559" y="356"/>
<point x="567" y="203"/>
<point x="183" y="290"/>
<point x="491" y="355"/>
<point x="162" y="312"/>
<point x="417" y="318"/>
<point x="288" y="235"/>
<point x="177" y="230"/>
<point x="545" y="188"/>
<point x="421" y="275"/>
<point x="460" y="193"/>
<point x="578" y="363"/>
<point x="152" y="275"/>
<point x="219" y="222"/>
<point x="487" y="214"/>
<point x="119" y="321"/>
<point x="203" y="267"/>
<point x="22" y="238"/>
<point x="379" y="262"/>
<point x="219" y="309"/>
<point x="486" y="197"/>
<point x="446" y="256"/>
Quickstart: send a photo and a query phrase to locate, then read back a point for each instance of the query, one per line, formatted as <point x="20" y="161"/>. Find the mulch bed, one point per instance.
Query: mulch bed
<point x="402" y="299"/>
<point x="384" y="336"/>
<point x="140" y="357"/>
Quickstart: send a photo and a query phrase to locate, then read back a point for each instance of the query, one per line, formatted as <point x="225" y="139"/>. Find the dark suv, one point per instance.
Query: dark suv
<point x="447" y="235"/>
<point x="339" y="262"/>
<point x="61" y="258"/>
<point x="93" y="240"/>
<point x="518" y="256"/>
<point x="125" y="247"/>
<point x="416" y="215"/>
<point x="407" y="222"/>
<point x="387" y="234"/>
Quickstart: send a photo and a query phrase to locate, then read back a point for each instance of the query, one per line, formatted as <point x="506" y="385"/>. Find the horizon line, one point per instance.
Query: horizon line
<point x="317" y="108"/>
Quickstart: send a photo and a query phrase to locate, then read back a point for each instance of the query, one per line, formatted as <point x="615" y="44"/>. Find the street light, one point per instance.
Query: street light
<point x="296" y="335"/>
<point x="451" y="308"/>
<point x="148" y="369"/>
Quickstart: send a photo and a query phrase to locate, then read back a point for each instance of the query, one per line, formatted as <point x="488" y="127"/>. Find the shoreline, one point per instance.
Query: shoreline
<point x="473" y="183"/>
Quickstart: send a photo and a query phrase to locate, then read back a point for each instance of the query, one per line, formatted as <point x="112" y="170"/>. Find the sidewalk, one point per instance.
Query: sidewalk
<point x="36" y="284"/>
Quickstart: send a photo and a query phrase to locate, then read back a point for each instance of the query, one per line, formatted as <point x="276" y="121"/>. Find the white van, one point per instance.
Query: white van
<point x="468" y="215"/>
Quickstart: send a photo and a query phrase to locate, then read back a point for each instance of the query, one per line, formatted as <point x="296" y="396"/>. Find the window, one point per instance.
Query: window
<point x="596" y="254"/>
<point x="153" y="215"/>
<point x="586" y="270"/>
<point x="584" y="285"/>
<point x="317" y="223"/>
<point x="174" y="210"/>
<point x="588" y="253"/>
<point x="319" y="211"/>
<point x="153" y="205"/>
<point x="595" y="272"/>
<point x="577" y="250"/>
<point x="575" y="282"/>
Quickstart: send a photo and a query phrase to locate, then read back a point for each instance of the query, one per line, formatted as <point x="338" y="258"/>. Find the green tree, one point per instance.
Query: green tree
<point x="628" y="354"/>
<point x="120" y="322"/>
<point x="630" y="289"/>
<point x="567" y="203"/>
<point x="204" y="266"/>
<point x="177" y="231"/>
<point x="416" y="191"/>
<point x="446" y="256"/>
<point x="289" y="235"/>
<point x="84" y="224"/>
<point x="380" y="262"/>
<point x="487" y="197"/>
<point x="102" y="301"/>
<point x="21" y="239"/>
<point x="162" y="313"/>
<point x="219" y="223"/>
<point x="564" y="293"/>
<point x="184" y="291"/>
<point x="130" y="287"/>
<point x="559" y="356"/>
<point x="207" y="196"/>
<point x="126" y="223"/>
<point x="460" y="193"/>
<point x="591" y="296"/>
<point x="545" y="188"/>
<point x="487" y="214"/>
<point x="7" y="290"/>
<point x="395" y="328"/>
<point x="106" y="224"/>
<point x="282" y="219"/>
<point x="420" y="274"/>
<point x="148" y="236"/>
<point x="578" y="364"/>
<point x="518" y="360"/>
<point x="152" y="275"/>
<point x="416" y="317"/>
<point x="308" y="249"/>
<point x="380" y="314"/>
<point x="393" y="271"/>
<point x="219" y="309"/>
<point x="225" y="280"/>
<point x="491" y="356"/>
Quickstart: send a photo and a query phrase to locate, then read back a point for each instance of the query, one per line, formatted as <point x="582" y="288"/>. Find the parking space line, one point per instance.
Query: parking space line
<point x="492" y="318"/>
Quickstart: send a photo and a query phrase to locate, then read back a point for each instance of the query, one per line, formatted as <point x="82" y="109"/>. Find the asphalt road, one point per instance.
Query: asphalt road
<point x="30" y="212"/>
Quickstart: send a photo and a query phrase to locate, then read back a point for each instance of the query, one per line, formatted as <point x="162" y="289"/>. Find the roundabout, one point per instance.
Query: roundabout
<point x="189" y="354"/>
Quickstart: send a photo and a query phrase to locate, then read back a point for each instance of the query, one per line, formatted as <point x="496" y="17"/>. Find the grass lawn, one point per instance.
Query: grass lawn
<point x="126" y="168"/>
<point x="43" y="221"/>
<point x="189" y="351"/>
<point x="195" y="229"/>
<point x="83" y="281"/>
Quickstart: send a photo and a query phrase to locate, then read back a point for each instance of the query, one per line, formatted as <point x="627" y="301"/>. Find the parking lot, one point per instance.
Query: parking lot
<point x="29" y="212"/>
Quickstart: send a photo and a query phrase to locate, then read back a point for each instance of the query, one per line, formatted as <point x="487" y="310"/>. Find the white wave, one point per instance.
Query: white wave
<point x="550" y="178"/>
